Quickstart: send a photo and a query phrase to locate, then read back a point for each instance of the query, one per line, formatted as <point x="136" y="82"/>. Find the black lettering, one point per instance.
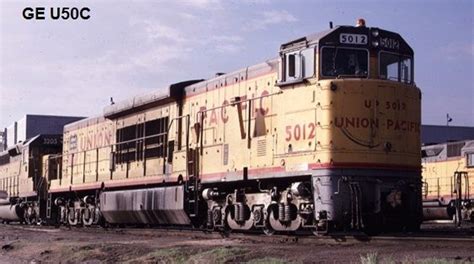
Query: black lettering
<point x="85" y="13"/>
<point x="65" y="13"/>
<point x="40" y="13"/>
<point x="74" y="13"/>
<point x="28" y="13"/>
<point x="55" y="15"/>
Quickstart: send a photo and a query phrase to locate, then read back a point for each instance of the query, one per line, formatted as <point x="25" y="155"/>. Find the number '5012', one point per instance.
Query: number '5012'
<point x="56" y="13"/>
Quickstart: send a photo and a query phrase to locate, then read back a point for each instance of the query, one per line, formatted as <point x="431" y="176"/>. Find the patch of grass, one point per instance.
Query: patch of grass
<point x="435" y="261"/>
<point x="194" y="256"/>
<point x="218" y="255"/>
<point x="373" y="258"/>
<point x="169" y="255"/>
<point x="267" y="260"/>
<point x="370" y="258"/>
<point x="79" y="253"/>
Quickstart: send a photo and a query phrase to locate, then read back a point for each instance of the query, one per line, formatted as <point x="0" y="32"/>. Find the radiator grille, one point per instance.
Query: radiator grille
<point x="261" y="147"/>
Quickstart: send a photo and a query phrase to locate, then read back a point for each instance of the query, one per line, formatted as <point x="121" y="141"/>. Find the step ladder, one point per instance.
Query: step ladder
<point x="48" y="206"/>
<point x="192" y="184"/>
<point x="460" y="177"/>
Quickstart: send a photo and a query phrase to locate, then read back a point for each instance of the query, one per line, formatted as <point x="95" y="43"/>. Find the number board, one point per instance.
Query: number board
<point x="357" y="39"/>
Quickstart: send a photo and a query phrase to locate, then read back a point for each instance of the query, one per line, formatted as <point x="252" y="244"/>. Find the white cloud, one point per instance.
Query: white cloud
<point x="202" y="4"/>
<point x="457" y="50"/>
<point x="227" y="38"/>
<point x="157" y="58"/>
<point x="227" y="48"/>
<point x="187" y="16"/>
<point x="272" y="17"/>
<point x="157" y="31"/>
<point x="226" y="43"/>
<point x="256" y="1"/>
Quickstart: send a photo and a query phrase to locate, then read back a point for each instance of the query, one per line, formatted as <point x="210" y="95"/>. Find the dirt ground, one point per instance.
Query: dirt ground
<point x="25" y="244"/>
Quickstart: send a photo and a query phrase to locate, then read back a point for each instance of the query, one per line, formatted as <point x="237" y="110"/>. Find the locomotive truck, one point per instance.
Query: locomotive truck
<point x="326" y="136"/>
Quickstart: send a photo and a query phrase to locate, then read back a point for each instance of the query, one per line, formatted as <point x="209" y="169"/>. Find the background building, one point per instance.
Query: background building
<point x="432" y="134"/>
<point x="32" y="125"/>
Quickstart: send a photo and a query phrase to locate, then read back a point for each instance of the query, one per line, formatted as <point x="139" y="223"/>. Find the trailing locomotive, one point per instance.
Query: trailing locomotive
<point x="448" y="171"/>
<point x="326" y="136"/>
<point x="22" y="185"/>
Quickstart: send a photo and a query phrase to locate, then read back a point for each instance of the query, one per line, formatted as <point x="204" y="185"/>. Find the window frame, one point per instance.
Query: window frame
<point x="339" y="47"/>
<point x="284" y="77"/>
<point x="468" y="164"/>
<point x="412" y="69"/>
<point x="399" y="68"/>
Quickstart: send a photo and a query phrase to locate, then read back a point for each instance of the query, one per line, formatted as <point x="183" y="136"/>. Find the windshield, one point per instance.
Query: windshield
<point x="395" y="67"/>
<point x="344" y="62"/>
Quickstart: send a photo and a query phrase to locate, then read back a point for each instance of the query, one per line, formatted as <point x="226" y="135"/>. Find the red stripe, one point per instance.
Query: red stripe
<point x="218" y="175"/>
<point x="362" y="165"/>
<point x="28" y="194"/>
<point x="58" y="190"/>
<point x="315" y="166"/>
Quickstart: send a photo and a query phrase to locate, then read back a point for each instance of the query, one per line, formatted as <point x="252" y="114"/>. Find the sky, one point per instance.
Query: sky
<point x="126" y="48"/>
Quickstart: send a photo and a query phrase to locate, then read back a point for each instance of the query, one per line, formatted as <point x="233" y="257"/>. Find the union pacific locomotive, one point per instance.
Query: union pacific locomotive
<point x="448" y="183"/>
<point x="324" y="137"/>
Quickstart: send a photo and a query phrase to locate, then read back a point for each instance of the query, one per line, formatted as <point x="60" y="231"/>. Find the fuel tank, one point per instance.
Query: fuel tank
<point x="435" y="210"/>
<point x="164" y="205"/>
<point x="11" y="212"/>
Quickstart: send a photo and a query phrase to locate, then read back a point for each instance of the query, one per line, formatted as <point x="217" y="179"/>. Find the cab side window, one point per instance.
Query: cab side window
<point x="298" y="65"/>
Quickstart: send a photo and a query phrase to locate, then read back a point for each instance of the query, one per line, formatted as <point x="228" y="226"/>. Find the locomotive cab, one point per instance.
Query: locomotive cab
<point x="347" y="52"/>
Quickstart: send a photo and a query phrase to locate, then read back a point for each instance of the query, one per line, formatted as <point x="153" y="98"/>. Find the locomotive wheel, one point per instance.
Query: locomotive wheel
<point x="321" y="229"/>
<point x="97" y="216"/>
<point x="267" y="229"/>
<point x="30" y="216"/>
<point x="87" y="217"/>
<point x="71" y="217"/>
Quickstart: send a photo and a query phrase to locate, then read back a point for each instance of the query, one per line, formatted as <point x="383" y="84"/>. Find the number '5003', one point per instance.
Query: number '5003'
<point x="39" y="13"/>
<point x="300" y="132"/>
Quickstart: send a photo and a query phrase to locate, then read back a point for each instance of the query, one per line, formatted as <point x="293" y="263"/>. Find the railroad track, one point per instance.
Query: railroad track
<point x="459" y="235"/>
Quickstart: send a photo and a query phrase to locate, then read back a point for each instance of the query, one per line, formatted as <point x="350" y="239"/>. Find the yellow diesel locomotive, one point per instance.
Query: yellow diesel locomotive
<point x="325" y="136"/>
<point x="448" y="181"/>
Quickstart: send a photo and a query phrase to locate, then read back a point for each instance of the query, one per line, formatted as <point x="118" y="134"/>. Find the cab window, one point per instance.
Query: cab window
<point x="406" y="70"/>
<point x="344" y="62"/>
<point x="395" y="67"/>
<point x="388" y="66"/>
<point x="470" y="160"/>
<point x="299" y="65"/>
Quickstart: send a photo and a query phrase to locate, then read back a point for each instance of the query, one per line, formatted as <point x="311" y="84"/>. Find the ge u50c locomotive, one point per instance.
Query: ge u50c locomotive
<point x="325" y="136"/>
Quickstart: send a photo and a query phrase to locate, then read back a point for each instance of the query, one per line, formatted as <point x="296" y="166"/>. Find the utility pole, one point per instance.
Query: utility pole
<point x="448" y="119"/>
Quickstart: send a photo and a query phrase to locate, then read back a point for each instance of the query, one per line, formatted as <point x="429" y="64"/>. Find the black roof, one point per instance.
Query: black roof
<point x="434" y="134"/>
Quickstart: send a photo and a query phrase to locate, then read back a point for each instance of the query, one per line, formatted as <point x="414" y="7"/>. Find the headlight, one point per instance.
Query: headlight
<point x="375" y="43"/>
<point x="375" y="33"/>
